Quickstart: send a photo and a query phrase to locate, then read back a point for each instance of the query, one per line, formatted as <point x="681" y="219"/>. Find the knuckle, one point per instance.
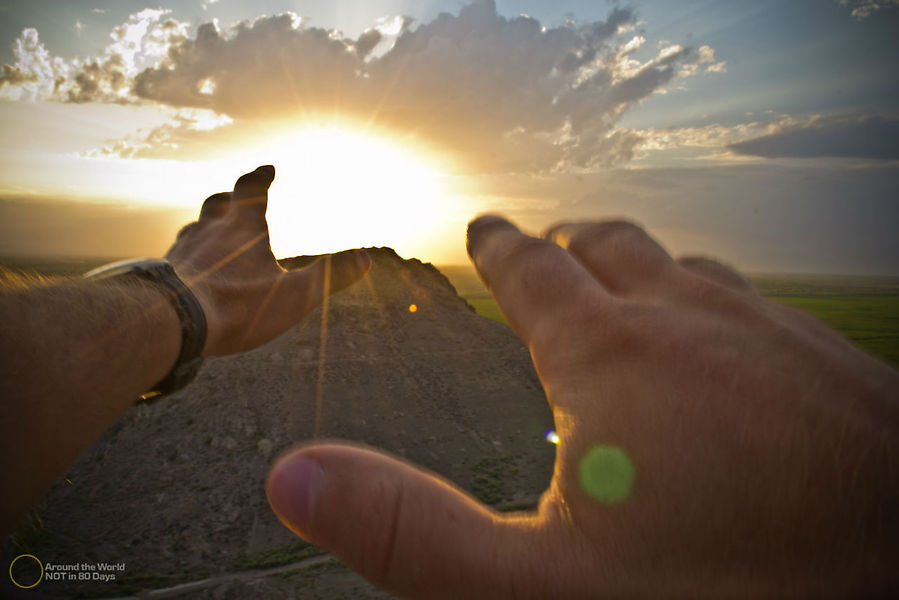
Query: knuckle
<point x="531" y="261"/>
<point x="715" y="270"/>
<point x="619" y="240"/>
<point x="589" y="334"/>
<point x="187" y="229"/>
<point x="215" y="205"/>
<point x="611" y="232"/>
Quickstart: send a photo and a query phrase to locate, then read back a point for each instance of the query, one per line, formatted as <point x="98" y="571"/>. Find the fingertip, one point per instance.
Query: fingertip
<point x="481" y="225"/>
<point x="553" y="232"/>
<point x="292" y="489"/>
<point x="255" y="182"/>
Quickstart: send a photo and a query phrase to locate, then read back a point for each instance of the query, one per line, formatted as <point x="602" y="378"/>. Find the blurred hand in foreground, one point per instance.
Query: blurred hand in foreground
<point x="711" y="442"/>
<point x="226" y="260"/>
<point x="75" y="354"/>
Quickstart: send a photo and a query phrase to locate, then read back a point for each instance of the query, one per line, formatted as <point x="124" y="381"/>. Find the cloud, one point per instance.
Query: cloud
<point x="500" y="94"/>
<point x="862" y="9"/>
<point x="844" y="136"/>
<point x="15" y="76"/>
<point x="141" y="42"/>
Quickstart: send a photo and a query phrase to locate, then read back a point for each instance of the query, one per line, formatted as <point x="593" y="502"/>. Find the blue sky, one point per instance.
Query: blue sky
<point x="761" y="132"/>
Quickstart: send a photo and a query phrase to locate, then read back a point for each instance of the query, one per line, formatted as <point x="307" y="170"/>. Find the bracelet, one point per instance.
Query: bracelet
<point x="190" y="314"/>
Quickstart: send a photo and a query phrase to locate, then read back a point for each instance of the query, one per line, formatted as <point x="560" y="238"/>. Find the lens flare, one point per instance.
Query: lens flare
<point x="607" y="474"/>
<point x="552" y="437"/>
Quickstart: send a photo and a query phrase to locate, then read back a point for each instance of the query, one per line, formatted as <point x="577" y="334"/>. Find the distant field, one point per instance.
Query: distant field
<point x="864" y="309"/>
<point x="51" y="267"/>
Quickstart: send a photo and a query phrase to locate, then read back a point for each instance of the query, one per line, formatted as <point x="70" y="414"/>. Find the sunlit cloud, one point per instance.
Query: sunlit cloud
<point x="140" y="43"/>
<point x="499" y="94"/>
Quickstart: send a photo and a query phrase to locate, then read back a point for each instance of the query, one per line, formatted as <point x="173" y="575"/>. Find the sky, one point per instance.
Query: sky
<point x="763" y="133"/>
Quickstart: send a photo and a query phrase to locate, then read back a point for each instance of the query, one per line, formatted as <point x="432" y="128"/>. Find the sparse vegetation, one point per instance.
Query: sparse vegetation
<point x="274" y="557"/>
<point x="490" y="475"/>
<point x="128" y="584"/>
<point x="519" y="507"/>
<point x="871" y="322"/>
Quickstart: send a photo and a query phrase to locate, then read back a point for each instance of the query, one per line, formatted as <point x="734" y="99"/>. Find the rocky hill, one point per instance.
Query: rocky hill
<point x="175" y="490"/>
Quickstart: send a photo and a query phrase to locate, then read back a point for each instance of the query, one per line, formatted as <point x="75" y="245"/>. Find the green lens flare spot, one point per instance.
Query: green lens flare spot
<point x="607" y="474"/>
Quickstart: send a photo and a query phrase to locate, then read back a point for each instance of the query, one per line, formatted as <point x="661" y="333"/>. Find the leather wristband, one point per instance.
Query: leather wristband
<point x="186" y="305"/>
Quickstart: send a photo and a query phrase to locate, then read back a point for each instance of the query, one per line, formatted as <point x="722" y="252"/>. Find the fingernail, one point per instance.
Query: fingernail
<point x="481" y="224"/>
<point x="484" y="222"/>
<point x="293" y="489"/>
<point x="363" y="260"/>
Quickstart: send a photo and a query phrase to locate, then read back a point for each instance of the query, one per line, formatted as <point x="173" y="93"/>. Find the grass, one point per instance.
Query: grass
<point x="487" y="307"/>
<point x="871" y="322"/>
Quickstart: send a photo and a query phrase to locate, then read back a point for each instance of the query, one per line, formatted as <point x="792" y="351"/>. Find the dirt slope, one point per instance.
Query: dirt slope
<point x="175" y="489"/>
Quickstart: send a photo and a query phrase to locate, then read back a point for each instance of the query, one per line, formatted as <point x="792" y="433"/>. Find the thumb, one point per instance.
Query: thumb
<point x="307" y="287"/>
<point x="402" y="528"/>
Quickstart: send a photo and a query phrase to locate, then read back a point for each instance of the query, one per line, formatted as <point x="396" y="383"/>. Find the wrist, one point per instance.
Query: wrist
<point x="161" y="276"/>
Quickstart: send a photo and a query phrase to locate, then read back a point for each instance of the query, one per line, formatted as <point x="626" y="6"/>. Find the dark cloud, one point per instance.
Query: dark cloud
<point x="759" y="216"/>
<point x="14" y="76"/>
<point x="844" y="136"/>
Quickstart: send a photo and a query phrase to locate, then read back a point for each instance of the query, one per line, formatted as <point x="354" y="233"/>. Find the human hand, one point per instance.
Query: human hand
<point x="226" y="260"/>
<point x="711" y="442"/>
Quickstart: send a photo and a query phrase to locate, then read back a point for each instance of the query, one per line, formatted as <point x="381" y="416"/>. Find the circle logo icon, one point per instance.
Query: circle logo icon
<point x="24" y="586"/>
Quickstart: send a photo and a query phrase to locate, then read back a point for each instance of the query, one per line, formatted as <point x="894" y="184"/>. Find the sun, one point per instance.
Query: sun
<point x="338" y="187"/>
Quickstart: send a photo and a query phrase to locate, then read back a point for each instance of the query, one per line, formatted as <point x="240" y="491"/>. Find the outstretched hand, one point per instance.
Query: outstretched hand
<point x="226" y="260"/>
<point x="710" y="442"/>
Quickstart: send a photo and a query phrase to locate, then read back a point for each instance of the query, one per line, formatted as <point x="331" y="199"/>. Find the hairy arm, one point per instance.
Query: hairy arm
<point x="73" y="357"/>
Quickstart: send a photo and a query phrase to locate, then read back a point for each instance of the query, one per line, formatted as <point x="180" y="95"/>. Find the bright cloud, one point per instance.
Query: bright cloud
<point x="501" y="94"/>
<point x="140" y="43"/>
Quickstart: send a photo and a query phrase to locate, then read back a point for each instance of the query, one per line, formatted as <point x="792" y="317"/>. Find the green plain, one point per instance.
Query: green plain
<point x="864" y="309"/>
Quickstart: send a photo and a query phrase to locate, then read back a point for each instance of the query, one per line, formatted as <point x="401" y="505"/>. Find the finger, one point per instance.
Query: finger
<point x="250" y="197"/>
<point x="618" y="253"/>
<point x="404" y="529"/>
<point x="306" y="288"/>
<point x="186" y="230"/>
<point x="536" y="283"/>
<point x="216" y="206"/>
<point x="715" y="271"/>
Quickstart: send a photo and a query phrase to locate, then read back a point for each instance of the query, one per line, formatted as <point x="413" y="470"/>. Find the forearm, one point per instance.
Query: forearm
<point x="75" y="356"/>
